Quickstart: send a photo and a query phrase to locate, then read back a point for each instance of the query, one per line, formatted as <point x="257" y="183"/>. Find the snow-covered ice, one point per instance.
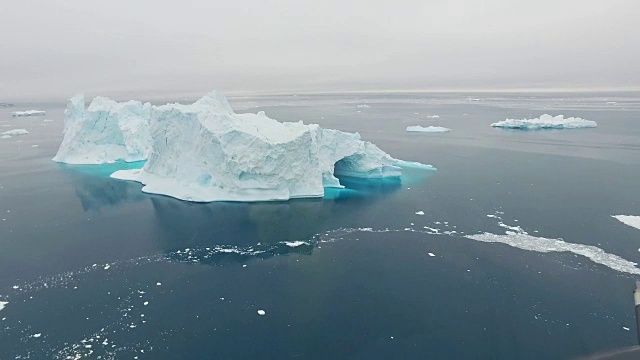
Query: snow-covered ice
<point x="3" y="304"/>
<point x="15" y="132"/>
<point x="205" y="152"/>
<point x="630" y="220"/>
<point x="432" y="254"/>
<point x="295" y="243"/>
<point x="428" y="129"/>
<point x="28" y="113"/>
<point x="546" y="121"/>
<point x="105" y="132"/>
<point x="420" y="212"/>
<point x="261" y="312"/>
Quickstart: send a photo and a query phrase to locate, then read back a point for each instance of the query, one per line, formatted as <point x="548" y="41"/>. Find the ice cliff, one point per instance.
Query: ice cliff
<point x="105" y="132"/>
<point x="206" y="152"/>
<point x="546" y="121"/>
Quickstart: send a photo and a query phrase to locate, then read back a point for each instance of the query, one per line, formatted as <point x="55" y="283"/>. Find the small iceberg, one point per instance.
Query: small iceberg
<point x="3" y="304"/>
<point x="633" y="221"/>
<point x="363" y="106"/>
<point x="428" y="129"/>
<point x="546" y="121"/>
<point x="433" y="116"/>
<point x="29" y="113"/>
<point x="15" y="132"/>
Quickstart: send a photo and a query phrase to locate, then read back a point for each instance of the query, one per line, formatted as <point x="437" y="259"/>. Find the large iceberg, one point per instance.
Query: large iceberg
<point x="546" y="121"/>
<point x="105" y="132"/>
<point x="428" y="129"/>
<point x="206" y="152"/>
<point x="29" y="113"/>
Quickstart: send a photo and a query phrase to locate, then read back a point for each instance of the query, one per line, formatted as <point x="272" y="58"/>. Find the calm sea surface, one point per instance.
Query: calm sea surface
<point x="92" y="267"/>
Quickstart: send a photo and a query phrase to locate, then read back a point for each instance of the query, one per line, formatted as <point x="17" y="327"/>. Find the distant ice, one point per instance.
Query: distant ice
<point x="420" y="212"/>
<point x="261" y="312"/>
<point x="630" y="220"/>
<point x="295" y="243"/>
<point x="48" y="120"/>
<point x="428" y="129"/>
<point x="15" y="132"/>
<point x="36" y="335"/>
<point x="546" y="121"/>
<point x="5" y="136"/>
<point x="29" y="113"/>
<point x="432" y="254"/>
<point x="3" y="304"/>
<point x="433" y="116"/>
<point x="363" y="106"/>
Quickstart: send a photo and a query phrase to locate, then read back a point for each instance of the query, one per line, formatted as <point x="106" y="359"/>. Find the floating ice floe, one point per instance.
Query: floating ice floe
<point x="15" y="132"/>
<point x="205" y="152"/>
<point x="633" y="221"/>
<point x="546" y="121"/>
<point x="3" y="304"/>
<point x="420" y="212"/>
<point x="261" y="312"/>
<point x="29" y="113"/>
<point x="428" y="129"/>
<point x="363" y="106"/>
<point x="295" y="243"/>
<point x="433" y="116"/>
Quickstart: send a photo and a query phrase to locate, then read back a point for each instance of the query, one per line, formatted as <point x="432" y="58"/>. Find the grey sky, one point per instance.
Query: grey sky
<point x="54" y="48"/>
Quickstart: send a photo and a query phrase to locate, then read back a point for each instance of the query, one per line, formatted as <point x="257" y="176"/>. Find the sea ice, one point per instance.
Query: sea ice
<point x="433" y="116"/>
<point x="546" y="121"/>
<point x="428" y="129"/>
<point x="420" y="212"/>
<point x="15" y="132"/>
<point x="630" y="220"/>
<point x="104" y="132"/>
<point x="29" y="113"/>
<point x="205" y="152"/>
<point x="261" y="312"/>
<point x="295" y="243"/>
<point x="3" y="304"/>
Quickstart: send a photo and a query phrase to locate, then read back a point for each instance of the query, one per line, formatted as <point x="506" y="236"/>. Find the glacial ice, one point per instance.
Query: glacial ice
<point x="546" y="121"/>
<point x="205" y="152"/>
<point x="29" y="113"/>
<point x="3" y="304"/>
<point x="428" y="129"/>
<point x="105" y="132"/>
<point x="633" y="221"/>
<point x="15" y="132"/>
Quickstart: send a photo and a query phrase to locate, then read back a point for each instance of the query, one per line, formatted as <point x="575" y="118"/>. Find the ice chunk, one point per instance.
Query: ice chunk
<point x="29" y="113"/>
<point x="261" y="312"/>
<point x="363" y="106"/>
<point x="3" y="304"/>
<point x="544" y="245"/>
<point x="428" y="129"/>
<point x="420" y="212"/>
<point x="433" y="116"/>
<point x="15" y="132"/>
<point x="630" y="220"/>
<point x="432" y="254"/>
<point x="546" y="121"/>
<point x="206" y="152"/>
<point x="5" y="136"/>
<point x="295" y="243"/>
<point x="104" y="132"/>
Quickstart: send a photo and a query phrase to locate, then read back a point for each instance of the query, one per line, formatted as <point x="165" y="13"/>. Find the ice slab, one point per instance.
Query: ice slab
<point x="428" y="129"/>
<point x="3" y="304"/>
<point x="633" y="221"/>
<point x="29" y="113"/>
<point x="15" y="132"/>
<point x="546" y="121"/>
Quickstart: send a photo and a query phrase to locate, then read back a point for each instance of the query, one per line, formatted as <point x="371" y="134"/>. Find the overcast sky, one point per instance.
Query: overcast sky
<point x="54" y="48"/>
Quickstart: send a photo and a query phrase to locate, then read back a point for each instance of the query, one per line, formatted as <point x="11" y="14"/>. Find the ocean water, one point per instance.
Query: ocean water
<point x="92" y="267"/>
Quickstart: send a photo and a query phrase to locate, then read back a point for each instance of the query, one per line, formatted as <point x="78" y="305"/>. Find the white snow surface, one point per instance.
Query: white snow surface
<point x="15" y="132"/>
<point x="3" y="304"/>
<point x="205" y="152"/>
<point x="105" y="132"/>
<point x="633" y="221"/>
<point x="428" y="129"/>
<point x="546" y="121"/>
<point x="29" y="113"/>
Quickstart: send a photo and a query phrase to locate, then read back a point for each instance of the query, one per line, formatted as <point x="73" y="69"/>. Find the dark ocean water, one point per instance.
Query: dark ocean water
<point x="92" y="267"/>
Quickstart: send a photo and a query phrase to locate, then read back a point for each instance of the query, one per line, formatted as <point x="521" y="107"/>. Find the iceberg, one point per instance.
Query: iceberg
<point x="29" y="113"/>
<point x="205" y="152"/>
<point x="428" y="129"/>
<point x="546" y="121"/>
<point x="3" y="304"/>
<point x="633" y="221"/>
<point x="15" y="132"/>
<point x="105" y="132"/>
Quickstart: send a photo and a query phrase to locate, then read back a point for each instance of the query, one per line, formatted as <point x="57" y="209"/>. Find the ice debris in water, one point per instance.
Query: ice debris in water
<point x="633" y="221"/>
<point x="15" y="132"/>
<point x="428" y="129"/>
<point x="261" y="312"/>
<point x="420" y="212"/>
<point x="546" y="121"/>
<point x="3" y="304"/>
<point x="29" y="113"/>
<point x="295" y="243"/>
